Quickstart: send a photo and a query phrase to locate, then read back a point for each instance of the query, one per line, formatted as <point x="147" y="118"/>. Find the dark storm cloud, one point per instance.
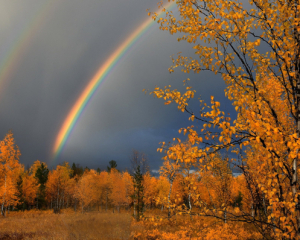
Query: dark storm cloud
<point x="63" y="55"/>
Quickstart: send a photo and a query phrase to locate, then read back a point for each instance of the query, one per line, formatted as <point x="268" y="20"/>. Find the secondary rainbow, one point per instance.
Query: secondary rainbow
<point x="94" y="83"/>
<point x="20" y="43"/>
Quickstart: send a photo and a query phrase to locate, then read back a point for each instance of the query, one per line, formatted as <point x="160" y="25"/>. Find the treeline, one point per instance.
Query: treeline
<point x="86" y="189"/>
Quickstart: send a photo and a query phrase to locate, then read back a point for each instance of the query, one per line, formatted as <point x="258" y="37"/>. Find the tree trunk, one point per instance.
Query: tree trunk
<point x="59" y="203"/>
<point x="2" y="208"/>
<point x="295" y="161"/>
<point x="264" y="205"/>
<point x="134" y="209"/>
<point x="3" y="201"/>
<point x="37" y="201"/>
<point x="169" y="196"/>
<point x="63" y="201"/>
<point x="106" y="201"/>
<point x="190" y="205"/>
<point x="57" y="196"/>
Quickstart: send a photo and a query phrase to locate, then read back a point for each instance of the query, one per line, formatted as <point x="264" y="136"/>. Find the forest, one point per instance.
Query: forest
<point x="254" y="48"/>
<point x="177" y="190"/>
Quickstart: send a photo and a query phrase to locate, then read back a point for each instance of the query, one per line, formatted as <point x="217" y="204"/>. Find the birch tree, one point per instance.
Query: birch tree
<point x="255" y="50"/>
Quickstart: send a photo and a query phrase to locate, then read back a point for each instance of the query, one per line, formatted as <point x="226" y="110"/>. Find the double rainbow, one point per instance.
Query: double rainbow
<point x="95" y="82"/>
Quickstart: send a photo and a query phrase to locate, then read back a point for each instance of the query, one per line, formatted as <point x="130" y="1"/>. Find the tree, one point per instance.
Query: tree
<point x="179" y="192"/>
<point x="112" y="164"/>
<point x="10" y="169"/>
<point x="128" y="180"/>
<point x="30" y="188"/>
<point x="138" y="194"/>
<point x="105" y="185"/>
<point x="118" y="189"/>
<point x="41" y="175"/>
<point x="86" y="169"/>
<point x="163" y="189"/>
<point x="256" y="52"/>
<point x="77" y="170"/>
<point x="21" y="204"/>
<point x="86" y="190"/>
<point x="56" y="185"/>
<point x="169" y="170"/>
<point x="221" y="183"/>
<point x="139" y="159"/>
<point x="150" y="190"/>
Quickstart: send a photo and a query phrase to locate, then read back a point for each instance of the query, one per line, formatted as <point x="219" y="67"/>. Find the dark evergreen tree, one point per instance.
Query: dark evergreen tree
<point x="113" y="164"/>
<point x="42" y="176"/>
<point x="238" y="200"/>
<point x="22" y="204"/>
<point x="73" y="169"/>
<point x="77" y="170"/>
<point x="98" y="170"/>
<point x="138" y="196"/>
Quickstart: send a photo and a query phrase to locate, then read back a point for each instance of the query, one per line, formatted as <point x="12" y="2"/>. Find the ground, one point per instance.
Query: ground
<point x="68" y="225"/>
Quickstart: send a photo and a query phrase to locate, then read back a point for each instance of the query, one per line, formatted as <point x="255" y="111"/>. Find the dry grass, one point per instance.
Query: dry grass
<point x="156" y="226"/>
<point x="68" y="225"/>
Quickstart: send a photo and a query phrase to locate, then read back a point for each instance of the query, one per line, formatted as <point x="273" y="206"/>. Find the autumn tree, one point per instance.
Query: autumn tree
<point x="21" y="203"/>
<point x="179" y="193"/>
<point x="163" y="189"/>
<point x="86" y="190"/>
<point x="170" y="169"/>
<point x="70" y="193"/>
<point x="118" y="189"/>
<point x="220" y="183"/>
<point x="10" y="169"/>
<point x="256" y="52"/>
<point x="129" y="188"/>
<point x="105" y="189"/>
<point x="56" y="185"/>
<point x="150" y="190"/>
<point x="30" y="188"/>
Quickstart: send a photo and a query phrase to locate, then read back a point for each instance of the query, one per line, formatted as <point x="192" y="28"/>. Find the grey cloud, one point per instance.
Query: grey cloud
<point x="60" y="59"/>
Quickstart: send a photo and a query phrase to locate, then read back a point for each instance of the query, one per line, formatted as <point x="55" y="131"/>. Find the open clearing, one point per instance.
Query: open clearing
<point x="68" y="225"/>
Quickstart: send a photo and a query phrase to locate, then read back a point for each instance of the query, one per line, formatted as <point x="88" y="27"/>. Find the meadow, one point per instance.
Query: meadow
<point x="155" y="225"/>
<point x="65" y="226"/>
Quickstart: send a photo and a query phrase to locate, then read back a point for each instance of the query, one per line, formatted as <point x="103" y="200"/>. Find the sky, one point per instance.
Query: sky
<point x="49" y="52"/>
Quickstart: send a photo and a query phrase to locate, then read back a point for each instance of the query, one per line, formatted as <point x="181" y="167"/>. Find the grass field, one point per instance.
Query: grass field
<point x="68" y="225"/>
<point x="71" y="225"/>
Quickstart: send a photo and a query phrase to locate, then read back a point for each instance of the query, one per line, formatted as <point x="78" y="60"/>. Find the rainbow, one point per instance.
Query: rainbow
<point x="23" y="40"/>
<point x="94" y="83"/>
